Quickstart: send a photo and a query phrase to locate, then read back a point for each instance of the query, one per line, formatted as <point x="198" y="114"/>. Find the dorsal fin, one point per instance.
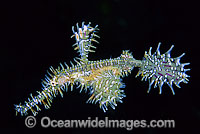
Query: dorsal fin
<point x="84" y="37"/>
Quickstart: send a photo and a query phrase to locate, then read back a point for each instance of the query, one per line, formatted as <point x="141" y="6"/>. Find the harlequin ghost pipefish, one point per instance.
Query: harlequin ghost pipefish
<point x="102" y="78"/>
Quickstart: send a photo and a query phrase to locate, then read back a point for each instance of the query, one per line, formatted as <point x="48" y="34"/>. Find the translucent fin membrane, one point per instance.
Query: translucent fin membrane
<point x="102" y="78"/>
<point x="84" y="36"/>
<point x="161" y="68"/>
<point x="107" y="91"/>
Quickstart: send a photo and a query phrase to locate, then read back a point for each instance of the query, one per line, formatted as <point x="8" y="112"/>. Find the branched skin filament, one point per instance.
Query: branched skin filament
<point x="102" y="78"/>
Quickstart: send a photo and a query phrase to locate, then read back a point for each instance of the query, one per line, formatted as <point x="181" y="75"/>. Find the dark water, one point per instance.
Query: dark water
<point x="38" y="36"/>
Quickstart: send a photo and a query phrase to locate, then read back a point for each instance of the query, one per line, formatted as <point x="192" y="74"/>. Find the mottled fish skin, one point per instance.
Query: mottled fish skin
<point x="102" y="79"/>
<point x="161" y="68"/>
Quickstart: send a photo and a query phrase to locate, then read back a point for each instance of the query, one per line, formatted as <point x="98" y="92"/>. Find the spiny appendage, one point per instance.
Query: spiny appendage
<point x="84" y="37"/>
<point x="128" y="62"/>
<point x="161" y="68"/>
<point x="86" y="76"/>
<point x="106" y="90"/>
<point x="55" y="83"/>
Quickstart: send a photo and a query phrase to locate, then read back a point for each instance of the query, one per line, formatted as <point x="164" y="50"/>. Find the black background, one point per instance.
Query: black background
<point x="38" y="36"/>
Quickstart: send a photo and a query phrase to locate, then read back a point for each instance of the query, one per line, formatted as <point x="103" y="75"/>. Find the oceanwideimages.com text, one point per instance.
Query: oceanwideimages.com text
<point x="95" y="122"/>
